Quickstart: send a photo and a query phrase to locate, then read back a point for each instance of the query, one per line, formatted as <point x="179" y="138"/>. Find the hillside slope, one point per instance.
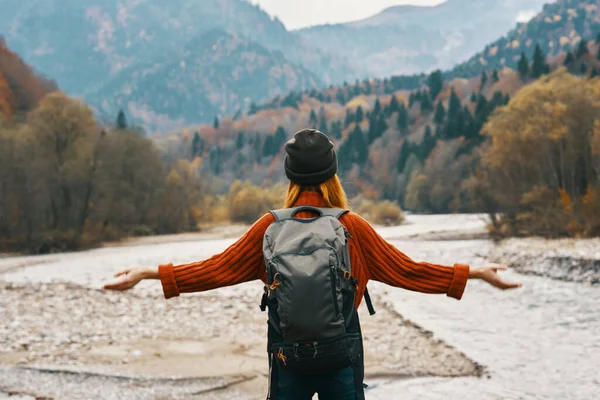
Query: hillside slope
<point x="560" y="27"/>
<point x="217" y="73"/>
<point x="85" y="45"/>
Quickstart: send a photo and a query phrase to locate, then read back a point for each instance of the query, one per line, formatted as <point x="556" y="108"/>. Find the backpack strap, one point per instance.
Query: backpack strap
<point x="368" y="302"/>
<point x="288" y="213"/>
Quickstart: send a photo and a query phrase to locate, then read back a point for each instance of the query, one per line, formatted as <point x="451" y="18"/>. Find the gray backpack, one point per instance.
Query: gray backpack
<point x="310" y="292"/>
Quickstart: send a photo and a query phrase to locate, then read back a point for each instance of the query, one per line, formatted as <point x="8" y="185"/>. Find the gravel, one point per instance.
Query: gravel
<point x="66" y="341"/>
<point x="574" y="260"/>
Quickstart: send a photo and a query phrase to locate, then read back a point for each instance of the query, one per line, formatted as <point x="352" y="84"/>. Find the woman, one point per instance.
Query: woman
<point x="311" y="167"/>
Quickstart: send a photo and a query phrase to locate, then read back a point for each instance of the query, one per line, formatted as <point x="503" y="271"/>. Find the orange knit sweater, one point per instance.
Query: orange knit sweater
<point x="371" y="257"/>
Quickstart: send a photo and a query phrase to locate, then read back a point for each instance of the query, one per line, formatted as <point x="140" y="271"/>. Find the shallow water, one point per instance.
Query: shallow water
<point x="539" y="342"/>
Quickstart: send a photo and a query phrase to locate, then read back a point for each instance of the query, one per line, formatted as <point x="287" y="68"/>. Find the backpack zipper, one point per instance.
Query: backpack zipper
<point x="333" y="289"/>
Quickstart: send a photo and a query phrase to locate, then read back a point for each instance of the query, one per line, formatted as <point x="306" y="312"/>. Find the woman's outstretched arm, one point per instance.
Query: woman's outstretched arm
<point x="241" y="262"/>
<point x="386" y="264"/>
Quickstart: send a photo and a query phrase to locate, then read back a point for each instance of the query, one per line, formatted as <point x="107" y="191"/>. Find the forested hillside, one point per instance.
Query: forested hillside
<point x="559" y="29"/>
<point x="94" y="47"/>
<point x="20" y="88"/>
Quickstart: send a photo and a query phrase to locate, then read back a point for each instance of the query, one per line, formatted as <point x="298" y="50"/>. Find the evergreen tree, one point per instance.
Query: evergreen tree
<point x="439" y="134"/>
<point x="196" y="145"/>
<point x="121" y="120"/>
<point x="336" y="130"/>
<point x="360" y="147"/>
<point x="582" y="50"/>
<point x="470" y="130"/>
<point x="368" y="88"/>
<point x="427" y="145"/>
<point x="312" y="120"/>
<point x="359" y="115"/>
<point x="495" y="76"/>
<point x="426" y="104"/>
<point x="216" y="123"/>
<point x="538" y="67"/>
<point x="583" y="69"/>
<point x="405" y="152"/>
<point x="280" y="138"/>
<point x="484" y="79"/>
<point x="454" y="106"/>
<point x="340" y="97"/>
<point x="349" y="118"/>
<point x="377" y="107"/>
<point x="253" y="109"/>
<point x="215" y="160"/>
<point x="257" y="147"/>
<point x="411" y="100"/>
<point x="403" y="122"/>
<point x="523" y="66"/>
<point x="394" y="105"/>
<point x="595" y="73"/>
<point x="269" y="147"/>
<point x="440" y="113"/>
<point x="239" y="143"/>
<point x="569" y="59"/>
<point x="473" y="97"/>
<point x="598" y="55"/>
<point x="435" y="83"/>
<point x="323" y="125"/>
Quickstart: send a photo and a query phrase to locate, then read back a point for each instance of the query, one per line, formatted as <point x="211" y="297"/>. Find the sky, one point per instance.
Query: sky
<point x="301" y="13"/>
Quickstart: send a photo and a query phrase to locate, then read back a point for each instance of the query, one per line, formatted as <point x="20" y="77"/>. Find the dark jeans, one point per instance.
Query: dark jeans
<point x="332" y="386"/>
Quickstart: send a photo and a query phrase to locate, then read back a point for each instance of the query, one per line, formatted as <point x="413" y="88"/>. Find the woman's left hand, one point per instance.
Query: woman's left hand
<point x="489" y="273"/>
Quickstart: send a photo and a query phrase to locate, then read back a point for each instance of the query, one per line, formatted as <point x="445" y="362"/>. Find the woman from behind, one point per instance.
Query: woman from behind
<point x="311" y="166"/>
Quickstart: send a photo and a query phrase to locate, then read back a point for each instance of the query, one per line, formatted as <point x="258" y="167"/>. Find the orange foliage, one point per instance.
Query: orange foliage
<point x="19" y="85"/>
<point x="7" y="100"/>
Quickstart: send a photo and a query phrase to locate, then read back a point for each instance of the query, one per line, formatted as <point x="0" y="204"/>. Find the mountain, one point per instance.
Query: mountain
<point x="216" y="73"/>
<point x="388" y="129"/>
<point x="91" y="46"/>
<point x="407" y="40"/>
<point x="560" y="27"/>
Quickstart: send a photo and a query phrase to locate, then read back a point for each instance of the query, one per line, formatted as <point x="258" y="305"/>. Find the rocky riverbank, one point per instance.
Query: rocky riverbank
<point x="65" y="341"/>
<point x="574" y="260"/>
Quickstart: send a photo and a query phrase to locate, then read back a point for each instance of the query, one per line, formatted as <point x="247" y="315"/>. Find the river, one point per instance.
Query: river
<point x="539" y="342"/>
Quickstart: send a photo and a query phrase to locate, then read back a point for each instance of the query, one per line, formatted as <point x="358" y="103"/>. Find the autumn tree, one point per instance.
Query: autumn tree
<point x="539" y="161"/>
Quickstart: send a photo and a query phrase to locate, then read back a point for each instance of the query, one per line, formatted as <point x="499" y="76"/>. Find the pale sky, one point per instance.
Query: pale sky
<point x="301" y="13"/>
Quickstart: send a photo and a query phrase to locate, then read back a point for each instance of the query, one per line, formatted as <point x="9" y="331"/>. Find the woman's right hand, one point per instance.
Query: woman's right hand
<point x="128" y="278"/>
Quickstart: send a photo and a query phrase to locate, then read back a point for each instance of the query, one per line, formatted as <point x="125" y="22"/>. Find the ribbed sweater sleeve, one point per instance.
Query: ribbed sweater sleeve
<point x="241" y="262"/>
<point x="385" y="263"/>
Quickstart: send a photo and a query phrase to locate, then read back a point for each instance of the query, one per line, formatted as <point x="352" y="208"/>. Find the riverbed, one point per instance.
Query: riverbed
<point x="538" y="342"/>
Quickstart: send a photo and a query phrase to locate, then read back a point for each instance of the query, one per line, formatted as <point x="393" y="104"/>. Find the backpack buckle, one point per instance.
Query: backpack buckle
<point x="347" y="275"/>
<point x="276" y="281"/>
